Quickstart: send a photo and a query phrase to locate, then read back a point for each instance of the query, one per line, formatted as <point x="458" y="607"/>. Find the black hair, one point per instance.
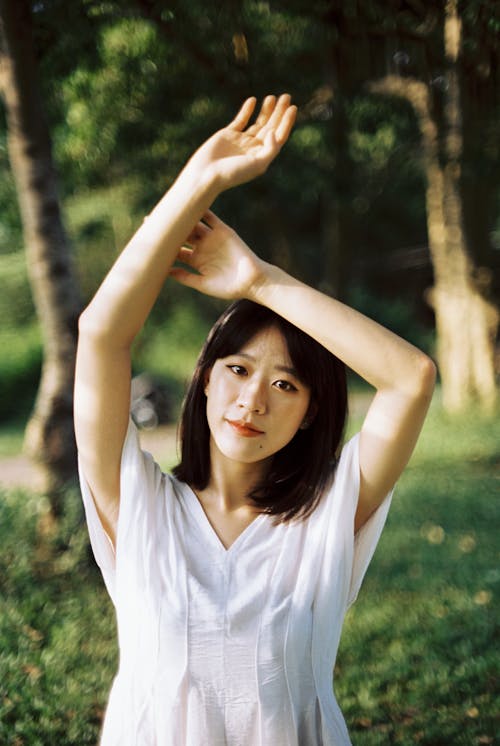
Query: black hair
<point x="301" y="470"/>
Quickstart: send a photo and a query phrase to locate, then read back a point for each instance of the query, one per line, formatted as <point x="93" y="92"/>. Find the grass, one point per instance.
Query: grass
<point x="57" y="644"/>
<point x="11" y="438"/>
<point x="418" y="660"/>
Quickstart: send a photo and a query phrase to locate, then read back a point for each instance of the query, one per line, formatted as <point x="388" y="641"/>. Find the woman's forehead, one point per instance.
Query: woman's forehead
<point x="268" y="342"/>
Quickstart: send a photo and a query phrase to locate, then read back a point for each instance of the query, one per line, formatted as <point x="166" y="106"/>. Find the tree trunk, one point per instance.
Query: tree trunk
<point x="466" y="322"/>
<point x="49" y="437"/>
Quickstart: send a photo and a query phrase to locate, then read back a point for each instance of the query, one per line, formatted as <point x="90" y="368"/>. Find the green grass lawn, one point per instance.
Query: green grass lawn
<point x="419" y="658"/>
<point x="11" y="438"/>
<point x="418" y="661"/>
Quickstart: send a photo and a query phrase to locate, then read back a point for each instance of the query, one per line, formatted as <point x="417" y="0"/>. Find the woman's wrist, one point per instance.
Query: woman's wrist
<point x="267" y="284"/>
<point x="203" y="176"/>
<point x="191" y="192"/>
<point x="201" y="182"/>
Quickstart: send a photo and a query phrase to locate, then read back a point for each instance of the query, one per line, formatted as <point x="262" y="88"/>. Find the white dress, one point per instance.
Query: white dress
<point x="228" y="647"/>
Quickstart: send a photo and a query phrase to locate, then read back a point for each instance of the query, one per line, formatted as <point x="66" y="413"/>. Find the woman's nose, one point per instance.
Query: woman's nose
<point x="252" y="397"/>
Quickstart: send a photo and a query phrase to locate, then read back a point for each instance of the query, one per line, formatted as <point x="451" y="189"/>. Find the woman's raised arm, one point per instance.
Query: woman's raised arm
<point x="108" y="326"/>
<point x="402" y="375"/>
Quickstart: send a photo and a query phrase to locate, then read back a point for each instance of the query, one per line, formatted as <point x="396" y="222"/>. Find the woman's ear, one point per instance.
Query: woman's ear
<point x="206" y="380"/>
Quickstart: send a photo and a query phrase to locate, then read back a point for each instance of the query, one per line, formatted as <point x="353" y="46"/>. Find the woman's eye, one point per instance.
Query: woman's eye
<point x="238" y="370"/>
<point x="285" y="386"/>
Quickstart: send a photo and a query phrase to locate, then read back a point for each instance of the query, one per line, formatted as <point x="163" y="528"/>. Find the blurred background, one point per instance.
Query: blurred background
<point x="387" y="196"/>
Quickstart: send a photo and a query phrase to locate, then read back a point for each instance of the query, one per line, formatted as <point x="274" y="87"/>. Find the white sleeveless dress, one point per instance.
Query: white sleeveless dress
<point x="228" y="647"/>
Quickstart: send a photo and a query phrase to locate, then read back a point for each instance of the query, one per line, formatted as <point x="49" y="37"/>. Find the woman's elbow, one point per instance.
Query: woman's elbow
<point x="89" y="324"/>
<point x="426" y="376"/>
<point x="95" y="327"/>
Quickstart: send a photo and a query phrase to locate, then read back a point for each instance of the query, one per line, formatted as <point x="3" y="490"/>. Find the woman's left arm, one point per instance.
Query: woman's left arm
<point x="402" y="375"/>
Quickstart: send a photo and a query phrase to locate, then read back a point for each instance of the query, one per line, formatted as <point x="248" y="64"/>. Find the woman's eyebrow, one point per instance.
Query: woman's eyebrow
<point x="282" y="368"/>
<point x="286" y="369"/>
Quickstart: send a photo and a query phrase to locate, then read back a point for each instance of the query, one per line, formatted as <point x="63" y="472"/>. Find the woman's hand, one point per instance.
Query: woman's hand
<point x="234" y="155"/>
<point x="224" y="266"/>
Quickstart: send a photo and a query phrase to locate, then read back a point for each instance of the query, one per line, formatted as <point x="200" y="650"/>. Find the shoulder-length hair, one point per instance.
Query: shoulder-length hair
<point x="301" y="470"/>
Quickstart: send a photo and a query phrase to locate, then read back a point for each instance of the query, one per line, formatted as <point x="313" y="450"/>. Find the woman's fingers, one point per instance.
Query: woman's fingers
<point x="277" y="118"/>
<point x="210" y="218"/>
<point x="241" y="119"/>
<point x="184" y="276"/>
<point x="285" y="126"/>
<point x="240" y="152"/>
<point x="185" y="255"/>
<point x="275" y="114"/>
<point x="279" y="112"/>
<point x="266" y="110"/>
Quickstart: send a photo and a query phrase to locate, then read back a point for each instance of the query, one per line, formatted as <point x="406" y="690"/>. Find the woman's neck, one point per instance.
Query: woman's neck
<point x="231" y="481"/>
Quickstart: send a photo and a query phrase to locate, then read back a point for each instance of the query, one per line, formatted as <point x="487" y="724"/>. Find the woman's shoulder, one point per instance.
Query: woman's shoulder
<point x="343" y="486"/>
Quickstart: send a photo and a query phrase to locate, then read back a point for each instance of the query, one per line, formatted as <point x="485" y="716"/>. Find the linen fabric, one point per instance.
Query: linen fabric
<point x="227" y="647"/>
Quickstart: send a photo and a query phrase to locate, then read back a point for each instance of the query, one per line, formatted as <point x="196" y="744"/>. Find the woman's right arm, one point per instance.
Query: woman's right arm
<point x="120" y="307"/>
<point x="107" y="329"/>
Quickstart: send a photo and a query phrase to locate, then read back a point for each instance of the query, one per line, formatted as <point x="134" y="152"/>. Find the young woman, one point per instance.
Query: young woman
<point x="232" y="577"/>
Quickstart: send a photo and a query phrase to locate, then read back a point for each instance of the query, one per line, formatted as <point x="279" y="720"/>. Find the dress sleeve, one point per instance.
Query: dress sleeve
<point x="360" y="546"/>
<point x="140" y="479"/>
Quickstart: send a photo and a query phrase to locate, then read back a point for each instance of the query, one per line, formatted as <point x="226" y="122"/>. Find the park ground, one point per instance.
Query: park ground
<point x="418" y="661"/>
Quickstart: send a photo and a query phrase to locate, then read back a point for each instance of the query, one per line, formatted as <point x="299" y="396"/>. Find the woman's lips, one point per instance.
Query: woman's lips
<point x="244" y="428"/>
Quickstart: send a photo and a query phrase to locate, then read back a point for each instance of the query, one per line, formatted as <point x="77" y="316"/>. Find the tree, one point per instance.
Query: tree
<point x="466" y="319"/>
<point x="131" y="87"/>
<point x="49" y="438"/>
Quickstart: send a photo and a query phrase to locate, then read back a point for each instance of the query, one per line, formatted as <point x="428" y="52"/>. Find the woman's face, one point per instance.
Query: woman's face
<point x="255" y="401"/>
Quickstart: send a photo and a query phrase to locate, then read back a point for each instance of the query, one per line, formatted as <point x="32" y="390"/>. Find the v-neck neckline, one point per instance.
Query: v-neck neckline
<point x="197" y="511"/>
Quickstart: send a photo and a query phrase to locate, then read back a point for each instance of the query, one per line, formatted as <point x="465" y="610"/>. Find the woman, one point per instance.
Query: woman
<point x="231" y="579"/>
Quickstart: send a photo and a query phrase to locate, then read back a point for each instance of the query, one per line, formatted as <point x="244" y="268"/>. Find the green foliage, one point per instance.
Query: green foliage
<point x="170" y="349"/>
<point x="398" y="313"/>
<point x="386" y="186"/>
<point x="99" y="222"/>
<point x="56" y="630"/>
<point x="417" y="662"/>
<point x="20" y="364"/>
<point x="10" y="237"/>
<point x="88" y="139"/>
<point x="132" y="88"/>
<point x="131" y="112"/>
<point x="16" y="305"/>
